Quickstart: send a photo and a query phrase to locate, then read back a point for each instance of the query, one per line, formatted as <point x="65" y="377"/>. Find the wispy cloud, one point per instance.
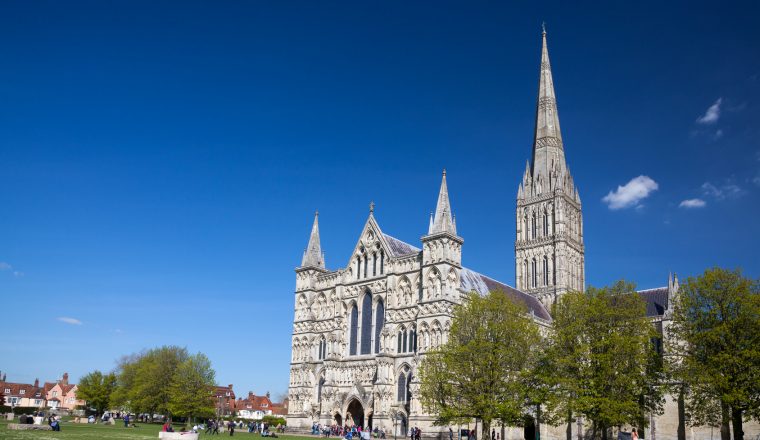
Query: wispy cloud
<point x="5" y="266"/>
<point x="712" y="114"/>
<point x="630" y="194"/>
<point x="727" y="190"/>
<point x="18" y="273"/>
<point x="692" y="203"/>
<point x="72" y="321"/>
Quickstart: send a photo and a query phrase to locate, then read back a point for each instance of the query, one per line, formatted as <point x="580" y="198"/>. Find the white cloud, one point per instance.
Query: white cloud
<point x="5" y="266"/>
<point x="630" y="194"/>
<point x="72" y="321"/>
<point x="712" y="114"/>
<point x="18" y="273"/>
<point x="725" y="191"/>
<point x="692" y="203"/>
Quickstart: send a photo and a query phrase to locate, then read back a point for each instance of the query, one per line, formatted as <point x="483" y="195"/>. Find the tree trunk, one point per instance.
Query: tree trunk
<point x="486" y="429"/>
<point x="681" y="416"/>
<point x="725" y="419"/>
<point x="538" y="422"/>
<point x="593" y="430"/>
<point x="604" y="432"/>
<point x="569" y="430"/>
<point x="736" y="418"/>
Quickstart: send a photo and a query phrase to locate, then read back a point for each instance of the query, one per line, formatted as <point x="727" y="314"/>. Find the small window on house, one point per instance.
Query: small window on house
<point x="55" y="393"/>
<point x="7" y="391"/>
<point x="22" y="392"/>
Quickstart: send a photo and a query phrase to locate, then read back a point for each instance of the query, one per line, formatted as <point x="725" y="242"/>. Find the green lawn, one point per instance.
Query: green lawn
<point x="116" y="432"/>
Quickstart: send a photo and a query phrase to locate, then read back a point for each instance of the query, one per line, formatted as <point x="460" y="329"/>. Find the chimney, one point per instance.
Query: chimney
<point x="229" y="386"/>
<point x="36" y="383"/>
<point x="65" y="380"/>
<point x="250" y="394"/>
<point x="267" y="394"/>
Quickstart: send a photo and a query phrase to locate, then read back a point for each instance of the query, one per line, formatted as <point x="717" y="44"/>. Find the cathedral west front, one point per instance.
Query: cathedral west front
<point x="361" y="330"/>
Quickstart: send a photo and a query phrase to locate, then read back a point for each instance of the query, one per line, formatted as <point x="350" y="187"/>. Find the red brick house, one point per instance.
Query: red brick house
<point x="224" y="400"/>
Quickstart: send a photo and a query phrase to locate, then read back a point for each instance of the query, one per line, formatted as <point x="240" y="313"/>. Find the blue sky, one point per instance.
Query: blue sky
<point x="160" y="162"/>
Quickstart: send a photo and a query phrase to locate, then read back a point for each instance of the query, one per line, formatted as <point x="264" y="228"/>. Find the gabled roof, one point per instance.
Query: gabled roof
<point x="399" y="248"/>
<point x="30" y="390"/>
<point x="656" y="300"/>
<point x="473" y="281"/>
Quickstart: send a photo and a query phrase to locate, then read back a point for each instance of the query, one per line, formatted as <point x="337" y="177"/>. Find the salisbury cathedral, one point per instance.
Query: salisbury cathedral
<point x="360" y="331"/>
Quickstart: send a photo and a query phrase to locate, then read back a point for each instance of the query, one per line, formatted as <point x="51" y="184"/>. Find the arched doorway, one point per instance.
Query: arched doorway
<point x="355" y="414"/>
<point x="338" y="420"/>
<point x="529" y="431"/>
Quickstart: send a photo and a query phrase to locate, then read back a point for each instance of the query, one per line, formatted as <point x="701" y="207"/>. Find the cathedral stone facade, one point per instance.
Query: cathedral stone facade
<point x="360" y="331"/>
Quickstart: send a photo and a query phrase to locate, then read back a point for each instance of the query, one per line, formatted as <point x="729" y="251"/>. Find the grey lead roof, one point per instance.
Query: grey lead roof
<point x="656" y="300"/>
<point x="399" y="248"/>
<point x="471" y="280"/>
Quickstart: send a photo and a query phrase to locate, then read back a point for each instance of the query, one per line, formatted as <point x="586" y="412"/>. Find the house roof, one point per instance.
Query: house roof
<point x="15" y="389"/>
<point x="473" y="281"/>
<point x="399" y="248"/>
<point x="256" y="403"/>
<point x="656" y="300"/>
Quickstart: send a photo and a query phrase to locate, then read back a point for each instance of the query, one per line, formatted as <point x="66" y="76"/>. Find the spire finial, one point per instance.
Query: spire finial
<point x="371" y="207"/>
<point x="442" y="221"/>
<point x="313" y="256"/>
<point x="543" y="27"/>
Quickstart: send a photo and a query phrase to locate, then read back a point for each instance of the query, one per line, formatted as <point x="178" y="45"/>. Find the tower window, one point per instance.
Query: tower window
<point x="534" y="277"/>
<point x="382" y="261"/>
<point x="398" y="350"/>
<point x="546" y="271"/>
<point x="365" y="265"/>
<point x="353" y="331"/>
<point x="546" y="224"/>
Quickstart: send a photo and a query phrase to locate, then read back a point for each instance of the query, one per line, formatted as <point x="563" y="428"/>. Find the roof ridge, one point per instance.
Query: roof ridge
<point x="652" y="288"/>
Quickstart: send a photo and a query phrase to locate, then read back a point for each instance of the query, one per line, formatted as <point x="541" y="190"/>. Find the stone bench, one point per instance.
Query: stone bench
<point x="20" y="427"/>
<point x="178" y="435"/>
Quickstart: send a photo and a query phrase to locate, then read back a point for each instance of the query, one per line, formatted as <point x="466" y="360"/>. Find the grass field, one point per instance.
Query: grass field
<point x="73" y="431"/>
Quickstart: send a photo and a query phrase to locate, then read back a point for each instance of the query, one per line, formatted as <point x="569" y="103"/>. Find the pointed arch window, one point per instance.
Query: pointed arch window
<point x="374" y="264"/>
<point x="400" y="333"/>
<point x="533" y="226"/>
<point x="366" y="336"/>
<point x="546" y="270"/>
<point x="379" y="322"/>
<point x="546" y="223"/>
<point x="358" y="267"/>
<point x="403" y="346"/>
<point x="353" y="331"/>
<point x="413" y="339"/>
<point x="382" y="261"/>
<point x="319" y="389"/>
<point x="534" y="274"/>
<point x="365" y="265"/>
<point x="402" y="387"/>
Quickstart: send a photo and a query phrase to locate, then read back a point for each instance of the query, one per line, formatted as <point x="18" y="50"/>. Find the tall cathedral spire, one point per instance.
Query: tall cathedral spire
<point x="443" y="221"/>
<point x="549" y="251"/>
<point x="312" y="256"/>
<point x="548" y="154"/>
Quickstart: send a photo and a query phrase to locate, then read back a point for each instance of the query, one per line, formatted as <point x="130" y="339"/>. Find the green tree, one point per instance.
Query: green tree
<point x="144" y="379"/>
<point x="96" y="388"/>
<point x="716" y="348"/>
<point x="482" y="371"/>
<point x="191" y="391"/>
<point x="601" y="358"/>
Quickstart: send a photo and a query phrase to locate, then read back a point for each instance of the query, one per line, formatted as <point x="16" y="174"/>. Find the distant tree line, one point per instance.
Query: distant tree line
<point x="166" y="380"/>
<point x="601" y="358"/>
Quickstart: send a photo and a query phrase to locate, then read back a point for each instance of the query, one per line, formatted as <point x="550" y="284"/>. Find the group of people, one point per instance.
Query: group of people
<point x="345" y="431"/>
<point x="212" y="427"/>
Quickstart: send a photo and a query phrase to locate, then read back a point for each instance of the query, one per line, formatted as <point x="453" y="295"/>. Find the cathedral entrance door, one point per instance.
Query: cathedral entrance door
<point x="338" y="420"/>
<point x="355" y="414"/>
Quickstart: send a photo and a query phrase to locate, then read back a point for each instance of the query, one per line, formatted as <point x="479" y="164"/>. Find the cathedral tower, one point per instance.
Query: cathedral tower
<point x="549" y="254"/>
